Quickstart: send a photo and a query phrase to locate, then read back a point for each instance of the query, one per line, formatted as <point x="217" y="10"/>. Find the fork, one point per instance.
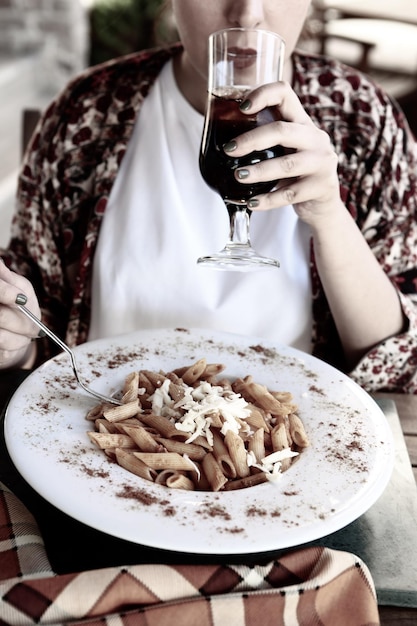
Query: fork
<point x="20" y="303"/>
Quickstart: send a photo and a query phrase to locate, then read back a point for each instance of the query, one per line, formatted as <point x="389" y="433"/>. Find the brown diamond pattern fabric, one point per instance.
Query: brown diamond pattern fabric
<point x="306" y="587"/>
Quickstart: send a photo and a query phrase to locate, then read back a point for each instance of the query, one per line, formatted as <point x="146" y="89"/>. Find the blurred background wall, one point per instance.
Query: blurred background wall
<point x="43" y="43"/>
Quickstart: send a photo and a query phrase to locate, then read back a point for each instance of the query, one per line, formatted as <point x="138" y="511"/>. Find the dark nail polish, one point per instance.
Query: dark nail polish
<point x="230" y="146"/>
<point x="253" y="203"/>
<point x="21" y="299"/>
<point x="242" y="174"/>
<point x="246" y="105"/>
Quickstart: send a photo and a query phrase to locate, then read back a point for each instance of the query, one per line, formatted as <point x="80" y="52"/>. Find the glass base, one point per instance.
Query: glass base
<point x="238" y="257"/>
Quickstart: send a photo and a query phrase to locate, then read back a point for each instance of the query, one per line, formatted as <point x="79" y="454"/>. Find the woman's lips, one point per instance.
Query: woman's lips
<point x="242" y="57"/>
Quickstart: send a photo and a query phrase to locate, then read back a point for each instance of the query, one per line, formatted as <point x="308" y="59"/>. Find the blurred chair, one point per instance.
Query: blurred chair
<point x="384" y="48"/>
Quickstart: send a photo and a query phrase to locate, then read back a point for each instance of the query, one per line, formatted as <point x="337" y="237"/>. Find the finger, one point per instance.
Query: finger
<point x="283" y="195"/>
<point x="18" y="358"/>
<point x="264" y="137"/>
<point x="11" y="284"/>
<point x="289" y="135"/>
<point x="11" y="342"/>
<point x="308" y="191"/>
<point x="13" y="324"/>
<point x="11" y="319"/>
<point x="13" y="345"/>
<point x="278" y="94"/>
<point x="291" y="165"/>
<point x="287" y="166"/>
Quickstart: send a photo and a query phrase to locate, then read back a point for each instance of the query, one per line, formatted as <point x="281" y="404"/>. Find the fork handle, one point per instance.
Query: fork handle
<point x="20" y="303"/>
<point x="44" y="328"/>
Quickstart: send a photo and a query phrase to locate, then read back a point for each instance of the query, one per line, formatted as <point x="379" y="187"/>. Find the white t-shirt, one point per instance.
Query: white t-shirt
<point x="161" y="216"/>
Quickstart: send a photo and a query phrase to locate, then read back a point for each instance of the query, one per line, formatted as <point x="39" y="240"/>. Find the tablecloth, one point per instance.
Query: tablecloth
<point x="311" y="586"/>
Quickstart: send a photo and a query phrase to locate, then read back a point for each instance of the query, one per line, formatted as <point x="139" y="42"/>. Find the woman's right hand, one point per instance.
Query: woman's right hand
<point x="16" y="331"/>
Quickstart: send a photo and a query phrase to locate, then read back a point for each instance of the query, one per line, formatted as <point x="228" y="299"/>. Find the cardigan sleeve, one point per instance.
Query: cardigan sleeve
<point x="65" y="181"/>
<point x="382" y="196"/>
<point x="378" y="182"/>
<point x="389" y="224"/>
<point x="392" y="364"/>
<point x="34" y="247"/>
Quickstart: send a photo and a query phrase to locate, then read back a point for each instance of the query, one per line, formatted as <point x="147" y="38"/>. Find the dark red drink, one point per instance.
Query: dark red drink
<point x="224" y="122"/>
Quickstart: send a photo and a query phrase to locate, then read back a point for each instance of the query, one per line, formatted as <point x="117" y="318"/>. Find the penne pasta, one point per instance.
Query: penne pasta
<point x="174" y="480"/>
<point x="145" y="384"/>
<point x="190" y="429"/>
<point x="97" y="411"/>
<point x="156" y="379"/>
<point x="265" y="399"/>
<point x="213" y="472"/>
<point x="285" y="397"/>
<point x="194" y="372"/>
<point x="165" y="460"/>
<point x="122" y="412"/>
<point x="225" y="383"/>
<point x="131" y="388"/>
<point x="239" y="386"/>
<point x="237" y="451"/>
<point x="132" y="422"/>
<point x="104" y="426"/>
<point x="244" y="483"/>
<point x="194" y="451"/>
<point x="257" y="418"/>
<point x="163" y="426"/>
<point x="222" y="456"/>
<point x="279" y="437"/>
<point x="176" y="391"/>
<point x="280" y="442"/>
<point x="256" y="444"/>
<point x="107" y="440"/>
<point x="212" y="370"/>
<point x="297" y="431"/>
<point x="142" y="438"/>
<point x="132" y="464"/>
<point x="199" y="479"/>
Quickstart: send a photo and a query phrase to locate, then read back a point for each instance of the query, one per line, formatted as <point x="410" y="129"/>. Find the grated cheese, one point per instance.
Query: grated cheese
<point x="194" y="413"/>
<point x="271" y="464"/>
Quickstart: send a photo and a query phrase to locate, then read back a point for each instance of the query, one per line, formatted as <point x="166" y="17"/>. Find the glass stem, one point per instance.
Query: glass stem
<point x="239" y="218"/>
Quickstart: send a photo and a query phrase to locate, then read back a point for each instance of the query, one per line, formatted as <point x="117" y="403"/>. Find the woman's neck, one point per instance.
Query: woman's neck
<point x="192" y="84"/>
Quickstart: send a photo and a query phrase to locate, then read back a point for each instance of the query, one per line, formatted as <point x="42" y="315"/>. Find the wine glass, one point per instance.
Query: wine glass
<point x="240" y="59"/>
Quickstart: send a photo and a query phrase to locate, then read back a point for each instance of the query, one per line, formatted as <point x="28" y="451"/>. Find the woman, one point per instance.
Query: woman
<point x="113" y="212"/>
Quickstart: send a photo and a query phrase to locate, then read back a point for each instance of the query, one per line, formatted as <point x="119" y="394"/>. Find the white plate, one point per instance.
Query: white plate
<point x="333" y="482"/>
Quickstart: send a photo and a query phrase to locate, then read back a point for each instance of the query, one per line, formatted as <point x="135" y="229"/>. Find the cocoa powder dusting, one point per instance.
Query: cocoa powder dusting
<point x="140" y="495"/>
<point x="214" y="510"/>
<point x="254" y="511"/>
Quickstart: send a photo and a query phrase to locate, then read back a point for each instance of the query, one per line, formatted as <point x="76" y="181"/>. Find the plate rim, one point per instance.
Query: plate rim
<point x="333" y="523"/>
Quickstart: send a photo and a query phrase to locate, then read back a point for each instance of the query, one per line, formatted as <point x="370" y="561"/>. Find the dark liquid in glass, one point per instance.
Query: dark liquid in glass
<point x="224" y="122"/>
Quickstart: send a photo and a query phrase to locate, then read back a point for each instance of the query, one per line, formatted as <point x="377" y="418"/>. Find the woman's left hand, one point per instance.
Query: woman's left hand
<point x="363" y="301"/>
<point x="308" y="177"/>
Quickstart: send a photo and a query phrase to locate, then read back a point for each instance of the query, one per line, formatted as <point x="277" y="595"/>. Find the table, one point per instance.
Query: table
<point x="407" y="411"/>
<point x="406" y="406"/>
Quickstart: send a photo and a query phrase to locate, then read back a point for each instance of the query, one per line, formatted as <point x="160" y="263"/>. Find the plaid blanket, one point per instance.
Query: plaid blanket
<point x="312" y="586"/>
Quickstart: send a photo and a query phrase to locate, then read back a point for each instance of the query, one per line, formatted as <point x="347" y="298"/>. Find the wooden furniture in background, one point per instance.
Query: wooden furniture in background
<point x="30" y="118"/>
<point x="378" y="37"/>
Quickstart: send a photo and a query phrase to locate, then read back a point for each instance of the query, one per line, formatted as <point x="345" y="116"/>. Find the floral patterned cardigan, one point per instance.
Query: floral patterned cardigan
<point x="75" y="154"/>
